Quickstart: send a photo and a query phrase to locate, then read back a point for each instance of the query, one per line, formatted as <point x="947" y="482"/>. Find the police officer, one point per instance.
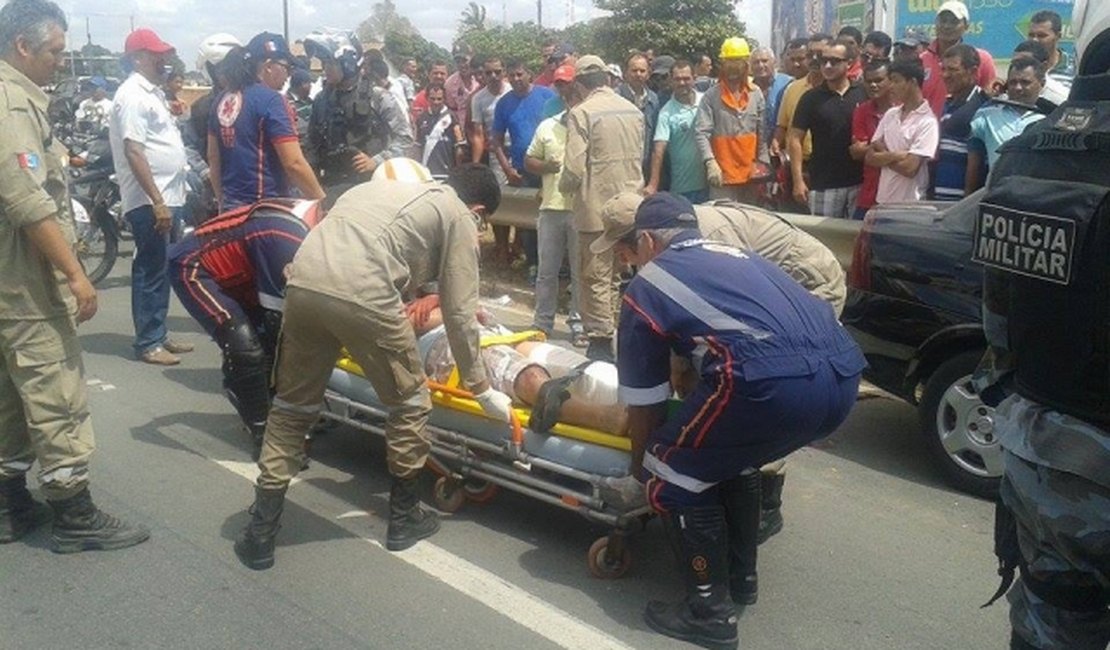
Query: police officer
<point x="44" y="413"/>
<point x="778" y="372"/>
<point x="1044" y="235"/>
<point x="230" y="275"/>
<point x="802" y="256"/>
<point x="355" y="125"/>
<point x="347" y="288"/>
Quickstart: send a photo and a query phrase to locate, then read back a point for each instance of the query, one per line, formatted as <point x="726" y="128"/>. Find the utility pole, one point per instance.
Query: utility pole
<point x="539" y="12"/>
<point x="285" y="20"/>
<point x="88" y="31"/>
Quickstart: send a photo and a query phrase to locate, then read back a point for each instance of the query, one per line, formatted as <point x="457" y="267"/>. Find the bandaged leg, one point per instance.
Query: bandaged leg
<point x="597" y="383"/>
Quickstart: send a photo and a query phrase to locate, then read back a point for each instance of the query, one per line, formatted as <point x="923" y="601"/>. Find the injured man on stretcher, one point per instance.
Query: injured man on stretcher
<point x="557" y="384"/>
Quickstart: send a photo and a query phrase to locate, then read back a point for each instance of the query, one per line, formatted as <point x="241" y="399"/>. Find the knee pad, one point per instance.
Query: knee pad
<point x="246" y="378"/>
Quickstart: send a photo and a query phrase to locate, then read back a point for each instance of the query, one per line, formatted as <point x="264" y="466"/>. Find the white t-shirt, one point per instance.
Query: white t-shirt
<point x="95" y="111"/>
<point x="917" y="133"/>
<point x="140" y="114"/>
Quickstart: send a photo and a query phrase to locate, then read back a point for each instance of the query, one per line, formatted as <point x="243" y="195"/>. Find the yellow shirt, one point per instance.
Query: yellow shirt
<point x="549" y="143"/>
<point x="790" y="98"/>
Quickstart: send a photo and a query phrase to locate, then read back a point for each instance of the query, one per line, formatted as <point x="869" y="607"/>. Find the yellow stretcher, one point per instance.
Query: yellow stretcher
<point x="476" y="456"/>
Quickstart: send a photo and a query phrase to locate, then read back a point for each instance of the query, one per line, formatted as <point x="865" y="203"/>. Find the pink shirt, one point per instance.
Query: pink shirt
<point x="917" y="133"/>
<point x="457" y="94"/>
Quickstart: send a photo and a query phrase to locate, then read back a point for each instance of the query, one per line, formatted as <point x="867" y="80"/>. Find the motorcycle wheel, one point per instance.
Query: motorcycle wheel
<point x="97" y="242"/>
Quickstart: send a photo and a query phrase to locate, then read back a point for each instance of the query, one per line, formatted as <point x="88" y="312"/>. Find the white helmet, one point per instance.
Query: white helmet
<point x="1090" y="22"/>
<point x="405" y="170"/>
<point x="214" y="48"/>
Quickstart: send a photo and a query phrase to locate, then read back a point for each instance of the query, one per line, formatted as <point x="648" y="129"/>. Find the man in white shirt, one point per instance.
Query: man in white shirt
<point x="95" y="109"/>
<point x="906" y="138"/>
<point x="149" y="157"/>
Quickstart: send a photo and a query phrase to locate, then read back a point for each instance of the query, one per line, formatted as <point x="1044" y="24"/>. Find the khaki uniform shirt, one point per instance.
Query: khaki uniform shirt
<point x="32" y="188"/>
<point x="604" y="152"/>
<point x="795" y="251"/>
<point x="382" y="240"/>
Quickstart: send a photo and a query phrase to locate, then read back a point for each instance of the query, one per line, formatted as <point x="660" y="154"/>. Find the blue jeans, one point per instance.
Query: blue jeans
<point x="557" y="240"/>
<point x="150" y="283"/>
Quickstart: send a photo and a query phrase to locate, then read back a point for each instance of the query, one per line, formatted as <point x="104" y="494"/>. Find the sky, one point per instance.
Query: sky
<point x="184" y="23"/>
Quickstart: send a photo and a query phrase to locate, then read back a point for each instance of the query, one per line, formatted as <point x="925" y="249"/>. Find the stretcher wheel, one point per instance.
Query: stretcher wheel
<point x="603" y="564"/>
<point x="448" y="495"/>
<point x="478" y="491"/>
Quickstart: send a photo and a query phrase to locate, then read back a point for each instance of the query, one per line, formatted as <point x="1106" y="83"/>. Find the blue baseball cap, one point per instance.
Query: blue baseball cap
<point x="665" y="210"/>
<point x="268" y="46"/>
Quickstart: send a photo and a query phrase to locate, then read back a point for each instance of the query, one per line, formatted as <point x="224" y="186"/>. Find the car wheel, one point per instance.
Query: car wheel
<point x="959" y="427"/>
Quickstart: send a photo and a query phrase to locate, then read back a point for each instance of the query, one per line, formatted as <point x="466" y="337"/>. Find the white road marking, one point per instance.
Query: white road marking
<point x="524" y="608"/>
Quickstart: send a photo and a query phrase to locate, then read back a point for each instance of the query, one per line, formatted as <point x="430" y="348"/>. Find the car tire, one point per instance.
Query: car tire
<point x="959" y="428"/>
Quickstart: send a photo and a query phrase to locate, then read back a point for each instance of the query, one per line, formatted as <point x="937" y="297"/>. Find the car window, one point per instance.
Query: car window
<point x="961" y="216"/>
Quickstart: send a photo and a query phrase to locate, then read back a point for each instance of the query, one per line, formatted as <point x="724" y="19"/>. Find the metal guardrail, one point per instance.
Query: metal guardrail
<point x="519" y="208"/>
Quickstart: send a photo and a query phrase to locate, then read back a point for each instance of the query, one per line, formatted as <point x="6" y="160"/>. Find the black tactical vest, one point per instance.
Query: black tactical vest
<point x="1043" y="235"/>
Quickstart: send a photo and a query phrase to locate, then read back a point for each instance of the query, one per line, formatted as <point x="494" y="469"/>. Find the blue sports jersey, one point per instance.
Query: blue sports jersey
<point x="520" y="116"/>
<point x="247" y="124"/>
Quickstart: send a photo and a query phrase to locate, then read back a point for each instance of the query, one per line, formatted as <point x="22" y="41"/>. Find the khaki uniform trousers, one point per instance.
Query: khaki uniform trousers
<point x="44" y="409"/>
<point x="314" y="330"/>
<point x="598" y="294"/>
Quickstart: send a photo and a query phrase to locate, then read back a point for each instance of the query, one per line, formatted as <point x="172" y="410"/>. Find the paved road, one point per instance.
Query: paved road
<point x="877" y="553"/>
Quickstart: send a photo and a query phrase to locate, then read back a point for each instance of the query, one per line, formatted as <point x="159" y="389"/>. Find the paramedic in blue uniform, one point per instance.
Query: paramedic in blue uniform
<point x="253" y="149"/>
<point x="230" y="276"/>
<point x="778" y="371"/>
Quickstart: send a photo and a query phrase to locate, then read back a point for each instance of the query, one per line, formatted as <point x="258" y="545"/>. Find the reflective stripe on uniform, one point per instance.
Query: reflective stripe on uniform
<point x="273" y="303"/>
<point x="697" y="306"/>
<point x="665" y="472"/>
<point x="645" y="396"/>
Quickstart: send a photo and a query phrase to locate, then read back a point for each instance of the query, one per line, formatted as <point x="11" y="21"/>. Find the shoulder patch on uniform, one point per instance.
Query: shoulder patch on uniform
<point x="227" y="111"/>
<point x="29" y="160"/>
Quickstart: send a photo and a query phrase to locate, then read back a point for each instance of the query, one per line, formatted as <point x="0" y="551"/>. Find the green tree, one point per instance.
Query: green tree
<point x="383" y="20"/>
<point x="473" y="18"/>
<point x="676" y="27"/>
<point x="516" y="41"/>
<point x="400" y="45"/>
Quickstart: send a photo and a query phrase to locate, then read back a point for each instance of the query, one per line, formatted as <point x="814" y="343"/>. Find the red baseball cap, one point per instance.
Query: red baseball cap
<point x="564" y="73"/>
<point x="145" y="39"/>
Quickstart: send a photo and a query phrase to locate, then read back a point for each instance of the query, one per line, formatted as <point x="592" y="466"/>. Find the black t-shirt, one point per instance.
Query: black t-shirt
<point x="444" y="134"/>
<point x="827" y="115"/>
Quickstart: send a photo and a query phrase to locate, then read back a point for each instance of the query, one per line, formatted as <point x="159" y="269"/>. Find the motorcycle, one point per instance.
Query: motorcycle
<point x="95" y="200"/>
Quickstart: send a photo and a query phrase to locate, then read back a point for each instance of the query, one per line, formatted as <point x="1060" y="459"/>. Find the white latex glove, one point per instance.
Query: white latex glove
<point x="496" y="404"/>
<point x="625" y="492"/>
<point x="713" y="173"/>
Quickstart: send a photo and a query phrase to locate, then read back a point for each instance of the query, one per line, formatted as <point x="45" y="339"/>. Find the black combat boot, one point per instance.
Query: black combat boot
<point x="255" y="547"/>
<point x="706" y="617"/>
<point x="19" y="513"/>
<point x="770" y="520"/>
<point x="740" y="497"/>
<point x="408" y="521"/>
<point x="601" y="349"/>
<point x="80" y="526"/>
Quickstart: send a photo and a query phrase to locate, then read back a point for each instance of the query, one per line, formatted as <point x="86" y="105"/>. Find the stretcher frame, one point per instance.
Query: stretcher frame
<point x="473" y="470"/>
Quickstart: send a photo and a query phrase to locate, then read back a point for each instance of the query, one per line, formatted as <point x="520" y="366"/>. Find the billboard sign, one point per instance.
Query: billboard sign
<point x="997" y="26"/>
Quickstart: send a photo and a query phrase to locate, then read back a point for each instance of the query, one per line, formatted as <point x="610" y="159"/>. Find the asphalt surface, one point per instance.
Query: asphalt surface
<point x="877" y="552"/>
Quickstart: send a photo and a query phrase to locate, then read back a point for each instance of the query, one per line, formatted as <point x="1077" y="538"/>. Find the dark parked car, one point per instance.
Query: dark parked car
<point x="914" y="307"/>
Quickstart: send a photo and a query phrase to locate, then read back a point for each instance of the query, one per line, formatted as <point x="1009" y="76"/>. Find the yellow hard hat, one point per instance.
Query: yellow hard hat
<point x="735" y="48"/>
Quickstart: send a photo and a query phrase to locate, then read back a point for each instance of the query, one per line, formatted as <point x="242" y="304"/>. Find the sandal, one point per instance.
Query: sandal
<point x="549" y="401"/>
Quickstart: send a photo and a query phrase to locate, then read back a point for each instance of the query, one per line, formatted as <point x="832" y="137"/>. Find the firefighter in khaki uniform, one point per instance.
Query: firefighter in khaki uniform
<point x="44" y="412"/>
<point x="346" y="289"/>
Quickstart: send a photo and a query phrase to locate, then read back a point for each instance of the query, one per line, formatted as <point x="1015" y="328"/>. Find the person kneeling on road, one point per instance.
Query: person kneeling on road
<point x="778" y="371"/>
<point x="346" y="289"/>
<point x="768" y="235"/>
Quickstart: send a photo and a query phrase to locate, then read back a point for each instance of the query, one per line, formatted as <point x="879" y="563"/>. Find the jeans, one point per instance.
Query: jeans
<point x="150" y="283"/>
<point x="555" y="239"/>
